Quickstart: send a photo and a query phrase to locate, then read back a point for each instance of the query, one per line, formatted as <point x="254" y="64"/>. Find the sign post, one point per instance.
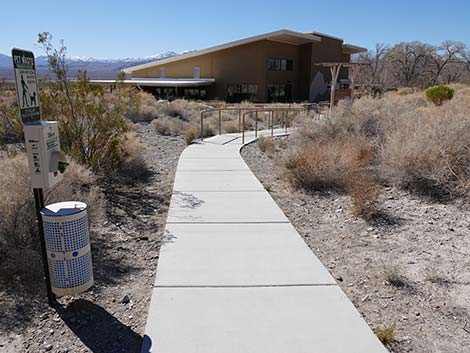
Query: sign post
<point x="36" y="135"/>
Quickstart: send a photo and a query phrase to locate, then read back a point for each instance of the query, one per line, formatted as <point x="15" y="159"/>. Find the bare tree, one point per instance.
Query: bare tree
<point x="447" y="54"/>
<point x="408" y="62"/>
<point x="373" y="73"/>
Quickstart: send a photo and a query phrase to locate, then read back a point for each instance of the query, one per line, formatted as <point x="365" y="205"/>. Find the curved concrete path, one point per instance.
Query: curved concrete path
<point x="234" y="276"/>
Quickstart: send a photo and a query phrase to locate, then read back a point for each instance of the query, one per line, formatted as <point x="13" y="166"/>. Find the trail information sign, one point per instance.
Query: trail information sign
<point x="26" y="85"/>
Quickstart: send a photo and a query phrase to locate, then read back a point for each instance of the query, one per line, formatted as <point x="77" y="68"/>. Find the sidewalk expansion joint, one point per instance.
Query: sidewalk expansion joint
<point x="250" y="285"/>
<point x="206" y="190"/>
<point x="233" y="222"/>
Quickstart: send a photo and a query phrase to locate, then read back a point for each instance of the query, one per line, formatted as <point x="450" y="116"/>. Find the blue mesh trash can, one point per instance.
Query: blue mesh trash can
<point x="67" y="237"/>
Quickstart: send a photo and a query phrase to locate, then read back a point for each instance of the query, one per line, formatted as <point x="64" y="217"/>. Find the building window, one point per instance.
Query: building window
<point x="195" y="93"/>
<point x="165" y="92"/>
<point x="237" y="93"/>
<point x="276" y="64"/>
<point x="280" y="92"/>
<point x="162" y="72"/>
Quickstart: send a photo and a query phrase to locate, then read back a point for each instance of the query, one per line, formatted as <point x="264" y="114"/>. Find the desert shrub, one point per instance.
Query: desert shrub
<point x="11" y="129"/>
<point x="92" y="126"/>
<point x="92" y="123"/>
<point x="148" y="108"/>
<point x="133" y="127"/>
<point x="169" y="127"/>
<point x="133" y="168"/>
<point x="325" y="164"/>
<point x="386" y="334"/>
<point x="184" y="109"/>
<point x="428" y="151"/>
<point x="19" y="244"/>
<point x="230" y="127"/>
<point x="394" y="276"/>
<point x="265" y="144"/>
<point x="209" y="130"/>
<point x="17" y="216"/>
<point x="439" y="94"/>
<point x="407" y="90"/>
<point x="190" y="135"/>
<point x="462" y="96"/>
<point x="364" y="192"/>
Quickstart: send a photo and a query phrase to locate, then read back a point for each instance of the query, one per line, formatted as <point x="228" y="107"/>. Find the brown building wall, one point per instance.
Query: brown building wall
<point x="247" y="64"/>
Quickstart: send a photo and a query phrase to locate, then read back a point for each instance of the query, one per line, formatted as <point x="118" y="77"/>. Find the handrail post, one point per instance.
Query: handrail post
<point x="272" y="123"/>
<point x="285" y="121"/>
<point x="243" y="130"/>
<point x="239" y="120"/>
<point x="256" y="124"/>
<point x="220" y="122"/>
<point x="202" y="126"/>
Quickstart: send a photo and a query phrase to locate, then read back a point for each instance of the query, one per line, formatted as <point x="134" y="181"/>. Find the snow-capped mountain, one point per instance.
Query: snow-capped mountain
<point x="95" y="68"/>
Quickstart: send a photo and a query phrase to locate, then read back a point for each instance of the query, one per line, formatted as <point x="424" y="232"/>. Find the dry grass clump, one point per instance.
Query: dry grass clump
<point x="412" y="144"/>
<point x="386" y="334"/>
<point x="367" y="116"/>
<point x="183" y="109"/>
<point x="394" y="277"/>
<point x="148" y="109"/>
<point x="403" y="91"/>
<point x="132" y="169"/>
<point x="265" y="144"/>
<point x="11" y="129"/>
<point x="364" y="192"/>
<point x="325" y="164"/>
<point x="177" y="117"/>
<point x="428" y="151"/>
<point x="169" y="127"/>
<point x="19" y="244"/>
<point x="230" y="126"/>
<point x="190" y="135"/>
<point x="17" y="216"/>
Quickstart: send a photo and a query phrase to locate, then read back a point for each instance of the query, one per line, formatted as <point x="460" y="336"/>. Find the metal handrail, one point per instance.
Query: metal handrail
<point x="253" y="109"/>
<point x="220" y="110"/>
<point x="271" y="118"/>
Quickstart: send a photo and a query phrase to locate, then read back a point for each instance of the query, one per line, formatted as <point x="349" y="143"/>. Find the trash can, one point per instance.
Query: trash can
<point x="67" y="238"/>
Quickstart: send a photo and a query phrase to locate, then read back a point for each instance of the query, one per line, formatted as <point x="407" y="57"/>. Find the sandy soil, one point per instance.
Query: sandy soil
<point x="408" y="267"/>
<point x="111" y="317"/>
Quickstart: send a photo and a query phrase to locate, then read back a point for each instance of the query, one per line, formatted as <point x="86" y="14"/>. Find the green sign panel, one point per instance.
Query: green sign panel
<point x="26" y="85"/>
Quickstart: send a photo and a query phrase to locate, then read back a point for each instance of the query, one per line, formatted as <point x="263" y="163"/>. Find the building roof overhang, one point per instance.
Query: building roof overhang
<point x="159" y="82"/>
<point x="353" y="49"/>
<point x="283" y="35"/>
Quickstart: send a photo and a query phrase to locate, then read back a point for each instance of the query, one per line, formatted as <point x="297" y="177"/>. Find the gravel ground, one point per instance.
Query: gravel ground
<point x="410" y="267"/>
<point x="111" y="317"/>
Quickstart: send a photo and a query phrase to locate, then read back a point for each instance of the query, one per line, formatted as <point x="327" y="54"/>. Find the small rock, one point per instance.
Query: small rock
<point x="47" y="347"/>
<point x="125" y="299"/>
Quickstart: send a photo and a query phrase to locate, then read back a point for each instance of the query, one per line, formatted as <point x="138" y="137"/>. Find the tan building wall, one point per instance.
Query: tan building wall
<point x="247" y="64"/>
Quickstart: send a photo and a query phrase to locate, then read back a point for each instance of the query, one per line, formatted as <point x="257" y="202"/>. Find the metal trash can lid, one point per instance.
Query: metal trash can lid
<point x="62" y="209"/>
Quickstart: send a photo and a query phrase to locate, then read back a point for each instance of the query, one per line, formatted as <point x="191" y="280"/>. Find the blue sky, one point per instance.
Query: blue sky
<point x="113" y="29"/>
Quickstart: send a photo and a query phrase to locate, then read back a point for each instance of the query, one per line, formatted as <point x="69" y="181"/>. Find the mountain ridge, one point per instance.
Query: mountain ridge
<point x="105" y="68"/>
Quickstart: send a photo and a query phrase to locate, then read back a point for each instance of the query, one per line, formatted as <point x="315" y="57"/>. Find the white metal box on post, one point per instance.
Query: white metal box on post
<point x="68" y="247"/>
<point x="43" y="149"/>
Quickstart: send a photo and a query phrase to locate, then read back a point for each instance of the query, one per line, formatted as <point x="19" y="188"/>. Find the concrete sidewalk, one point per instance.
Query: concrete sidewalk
<point x="234" y="276"/>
